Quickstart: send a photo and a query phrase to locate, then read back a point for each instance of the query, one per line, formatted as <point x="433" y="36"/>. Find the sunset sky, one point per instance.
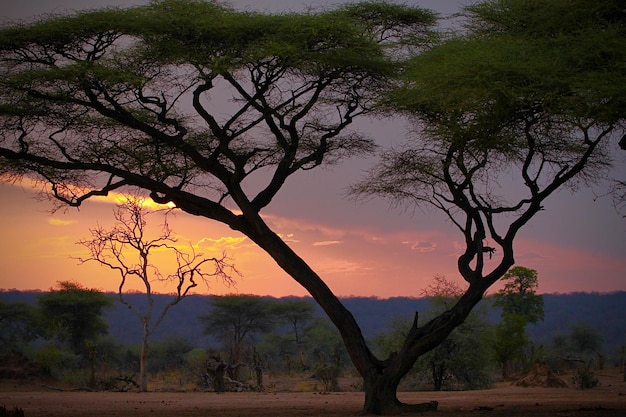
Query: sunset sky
<point x="362" y="249"/>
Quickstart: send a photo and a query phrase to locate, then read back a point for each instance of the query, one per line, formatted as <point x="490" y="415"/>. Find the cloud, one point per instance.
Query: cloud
<point x="529" y="256"/>
<point x="422" y="246"/>
<point x="288" y="238"/>
<point x="224" y="242"/>
<point x="60" y="222"/>
<point x="327" y="242"/>
<point x="342" y="266"/>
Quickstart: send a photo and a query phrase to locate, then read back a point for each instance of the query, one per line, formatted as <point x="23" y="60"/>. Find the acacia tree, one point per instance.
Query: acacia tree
<point x="523" y="104"/>
<point x="236" y="320"/>
<point x="519" y="295"/>
<point x="297" y="314"/>
<point x="191" y="101"/>
<point x="129" y="250"/>
<point x="520" y="305"/>
<point x="18" y="326"/>
<point x="73" y="314"/>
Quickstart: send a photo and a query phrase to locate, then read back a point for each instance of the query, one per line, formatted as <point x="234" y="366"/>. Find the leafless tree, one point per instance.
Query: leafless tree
<point x="127" y="249"/>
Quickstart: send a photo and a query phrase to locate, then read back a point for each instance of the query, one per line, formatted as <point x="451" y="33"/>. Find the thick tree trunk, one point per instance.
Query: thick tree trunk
<point x="381" y="397"/>
<point x="381" y="377"/>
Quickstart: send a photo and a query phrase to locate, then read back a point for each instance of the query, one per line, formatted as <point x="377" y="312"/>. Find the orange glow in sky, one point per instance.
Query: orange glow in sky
<point x="38" y="249"/>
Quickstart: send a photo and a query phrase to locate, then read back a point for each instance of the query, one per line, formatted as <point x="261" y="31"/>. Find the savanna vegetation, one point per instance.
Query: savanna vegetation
<point x="190" y="101"/>
<point x="268" y="344"/>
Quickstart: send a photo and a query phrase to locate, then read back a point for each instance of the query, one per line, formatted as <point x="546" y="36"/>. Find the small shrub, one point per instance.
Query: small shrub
<point x="47" y="357"/>
<point x="585" y="379"/>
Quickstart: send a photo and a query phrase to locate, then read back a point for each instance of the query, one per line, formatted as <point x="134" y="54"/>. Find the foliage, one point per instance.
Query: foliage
<point x="18" y="326"/>
<point x="519" y="295"/>
<point x="583" y="342"/>
<point x="324" y="344"/>
<point x="47" y="357"/>
<point x="237" y="320"/>
<point x="585" y="378"/>
<point x="169" y="353"/>
<point x="585" y="339"/>
<point x="520" y="305"/>
<point x="462" y="359"/>
<point x="389" y="341"/>
<point x="297" y="314"/>
<point x="15" y="412"/>
<point x="510" y="341"/>
<point x="73" y="314"/>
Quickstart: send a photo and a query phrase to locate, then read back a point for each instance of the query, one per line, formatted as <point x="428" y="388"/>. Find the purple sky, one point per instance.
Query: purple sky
<point x="576" y="244"/>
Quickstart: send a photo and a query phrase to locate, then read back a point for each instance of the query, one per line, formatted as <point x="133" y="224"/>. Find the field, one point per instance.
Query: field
<point x="607" y="400"/>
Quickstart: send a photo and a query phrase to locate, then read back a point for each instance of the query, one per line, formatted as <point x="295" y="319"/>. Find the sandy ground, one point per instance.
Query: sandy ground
<point x="607" y="400"/>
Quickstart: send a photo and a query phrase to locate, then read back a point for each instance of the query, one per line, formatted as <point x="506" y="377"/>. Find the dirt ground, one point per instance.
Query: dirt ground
<point x="606" y="400"/>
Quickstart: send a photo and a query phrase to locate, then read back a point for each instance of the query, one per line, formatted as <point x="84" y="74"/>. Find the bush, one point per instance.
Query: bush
<point x="48" y="358"/>
<point x="585" y="379"/>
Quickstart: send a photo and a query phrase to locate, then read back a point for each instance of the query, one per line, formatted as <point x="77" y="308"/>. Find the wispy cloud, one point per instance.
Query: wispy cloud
<point x="288" y="238"/>
<point x="327" y="243"/>
<point x="60" y="222"/>
<point x="421" y="246"/>
<point x="221" y="243"/>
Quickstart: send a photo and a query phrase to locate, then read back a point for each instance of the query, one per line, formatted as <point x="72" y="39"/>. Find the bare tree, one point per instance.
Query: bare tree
<point x="127" y="249"/>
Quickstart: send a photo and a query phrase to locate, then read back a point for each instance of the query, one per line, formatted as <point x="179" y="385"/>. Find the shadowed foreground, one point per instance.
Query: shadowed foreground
<point x="508" y="401"/>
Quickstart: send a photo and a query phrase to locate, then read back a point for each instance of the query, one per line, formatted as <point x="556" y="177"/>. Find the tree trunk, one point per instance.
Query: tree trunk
<point x="381" y="398"/>
<point x="381" y="380"/>
<point x="143" y="363"/>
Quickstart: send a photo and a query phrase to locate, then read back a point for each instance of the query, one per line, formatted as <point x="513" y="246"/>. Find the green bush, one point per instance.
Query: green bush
<point x="47" y="357"/>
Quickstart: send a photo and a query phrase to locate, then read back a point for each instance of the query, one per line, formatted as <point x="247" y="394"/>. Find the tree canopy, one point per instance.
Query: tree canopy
<point x="73" y="314"/>
<point x="521" y="105"/>
<point x="519" y="295"/>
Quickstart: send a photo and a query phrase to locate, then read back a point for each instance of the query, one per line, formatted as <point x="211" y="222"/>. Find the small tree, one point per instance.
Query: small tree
<point x="581" y="344"/>
<point x="510" y="341"/>
<point x="464" y="355"/>
<point x="585" y="340"/>
<point x="520" y="305"/>
<point x="236" y="320"/>
<point x="18" y="326"/>
<point x="297" y="314"/>
<point x="519" y="295"/>
<point x="72" y="314"/>
<point x="127" y="249"/>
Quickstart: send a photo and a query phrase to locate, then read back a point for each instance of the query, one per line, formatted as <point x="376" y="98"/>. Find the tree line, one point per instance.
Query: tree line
<point x="64" y="334"/>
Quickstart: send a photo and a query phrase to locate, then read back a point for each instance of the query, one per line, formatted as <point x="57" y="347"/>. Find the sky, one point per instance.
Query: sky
<point x="358" y="248"/>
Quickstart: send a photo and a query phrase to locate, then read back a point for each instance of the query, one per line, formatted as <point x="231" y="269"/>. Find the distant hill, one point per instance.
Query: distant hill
<point x="605" y="312"/>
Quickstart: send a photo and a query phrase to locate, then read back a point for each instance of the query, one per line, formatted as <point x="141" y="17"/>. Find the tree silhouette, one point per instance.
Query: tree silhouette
<point x="520" y="106"/>
<point x="128" y="250"/>
<point x="236" y="320"/>
<point x="213" y="110"/>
